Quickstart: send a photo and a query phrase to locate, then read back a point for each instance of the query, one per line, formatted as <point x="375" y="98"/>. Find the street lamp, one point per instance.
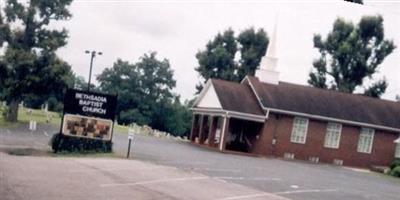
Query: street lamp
<point x="92" y="55"/>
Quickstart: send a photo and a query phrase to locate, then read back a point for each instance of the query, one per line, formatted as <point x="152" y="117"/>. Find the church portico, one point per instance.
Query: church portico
<point x="224" y="130"/>
<point x="207" y="129"/>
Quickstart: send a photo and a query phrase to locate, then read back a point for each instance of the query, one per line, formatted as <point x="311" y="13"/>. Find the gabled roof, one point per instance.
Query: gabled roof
<point x="208" y="98"/>
<point x="237" y="97"/>
<point x="233" y="96"/>
<point x="327" y="103"/>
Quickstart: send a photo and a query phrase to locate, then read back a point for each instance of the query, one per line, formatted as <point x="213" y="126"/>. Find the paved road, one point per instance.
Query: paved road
<point x="290" y="179"/>
<point x="63" y="178"/>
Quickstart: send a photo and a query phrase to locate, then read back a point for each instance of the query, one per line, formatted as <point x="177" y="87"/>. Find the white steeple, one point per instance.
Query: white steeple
<point x="267" y="70"/>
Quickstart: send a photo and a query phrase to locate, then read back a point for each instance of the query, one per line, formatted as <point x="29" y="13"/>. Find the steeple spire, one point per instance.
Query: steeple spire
<point x="267" y="70"/>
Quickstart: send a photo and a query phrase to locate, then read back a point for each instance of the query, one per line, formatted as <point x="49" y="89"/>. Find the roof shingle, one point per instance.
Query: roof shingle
<point x="327" y="103"/>
<point x="237" y="97"/>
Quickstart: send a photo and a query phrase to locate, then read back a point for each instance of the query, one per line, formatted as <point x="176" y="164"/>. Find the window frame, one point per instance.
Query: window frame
<point x="294" y="126"/>
<point x="337" y="144"/>
<point x="397" y="150"/>
<point x="369" y="150"/>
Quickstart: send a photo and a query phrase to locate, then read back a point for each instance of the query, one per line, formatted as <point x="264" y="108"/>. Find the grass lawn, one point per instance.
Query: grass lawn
<point x="24" y="117"/>
<point x="121" y="128"/>
<point x="40" y="116"/>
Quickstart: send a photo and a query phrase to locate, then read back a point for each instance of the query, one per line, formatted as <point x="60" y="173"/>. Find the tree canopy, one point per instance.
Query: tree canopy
<point x="231" y="58"/>
<point x="350" y="56"/>
<point x="29" y="65"/>
<point x="145" y="94"/>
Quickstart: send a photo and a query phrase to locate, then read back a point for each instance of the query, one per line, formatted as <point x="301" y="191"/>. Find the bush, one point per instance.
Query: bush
<point x="62" y="143"/>
<point x="395" y="163"/>
<point x="395" y="171"/>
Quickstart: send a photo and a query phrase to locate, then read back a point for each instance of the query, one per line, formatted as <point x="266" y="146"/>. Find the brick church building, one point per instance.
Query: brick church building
<point x="265" y="116"/>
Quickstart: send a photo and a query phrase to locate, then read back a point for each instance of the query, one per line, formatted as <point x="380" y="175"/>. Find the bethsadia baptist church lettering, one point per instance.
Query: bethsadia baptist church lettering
<point x="92" y="103"/>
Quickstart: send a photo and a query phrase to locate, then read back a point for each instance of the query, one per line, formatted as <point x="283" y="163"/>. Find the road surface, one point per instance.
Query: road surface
<point x="287" y="179"/>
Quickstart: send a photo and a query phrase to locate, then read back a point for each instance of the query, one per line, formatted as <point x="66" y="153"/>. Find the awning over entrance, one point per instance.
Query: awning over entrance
<point x="228" y="113"/>
<point x="226" y="130"/>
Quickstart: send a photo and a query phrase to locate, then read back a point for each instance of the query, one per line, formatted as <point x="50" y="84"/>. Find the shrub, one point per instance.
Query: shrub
<point x="62" y="143"/>
<point x="395" y="163"/>
<point x="395" y="171"/>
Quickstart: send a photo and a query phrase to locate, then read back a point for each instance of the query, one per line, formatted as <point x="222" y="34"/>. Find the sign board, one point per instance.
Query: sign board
<point x="88" y="114"/>
<point x="131" y="131"/>
<point x="130" y="136"/>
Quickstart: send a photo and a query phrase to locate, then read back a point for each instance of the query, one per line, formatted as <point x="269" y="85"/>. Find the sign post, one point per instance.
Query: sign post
<point x="131" y="133"/>
<point x="129" y="147"/>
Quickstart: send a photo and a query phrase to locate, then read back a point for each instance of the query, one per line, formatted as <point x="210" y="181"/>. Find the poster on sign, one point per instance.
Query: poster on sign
<point x="88" y="114"/>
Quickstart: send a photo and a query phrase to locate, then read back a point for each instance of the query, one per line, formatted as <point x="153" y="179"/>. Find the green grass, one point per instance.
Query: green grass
<point x="121" y="128"/>
<point x="5" y="124"/>
<point x="24" y="117"/>
<point x="40" y="117"/>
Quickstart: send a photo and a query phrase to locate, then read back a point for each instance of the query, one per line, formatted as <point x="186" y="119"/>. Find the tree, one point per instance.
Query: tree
<point x="29" y="64"/>
<point x="350" y="56"/>
<point x="145" y="94"/>
<point x="218" y="59"/>
<point x="253" y="46"/>
<point x="141" y="87"/>
<point x="174" y="117"/>
<point x="80" y="83"/>
<point x="355" y="1"/>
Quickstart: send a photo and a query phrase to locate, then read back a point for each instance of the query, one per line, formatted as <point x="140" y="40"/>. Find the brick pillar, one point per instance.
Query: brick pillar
<point x="204" y="130"/>
<point x="194" y="130"/>
<point x="200" y="127"/>
<point x="225" y="133"/>
<point x="211" y="131"/>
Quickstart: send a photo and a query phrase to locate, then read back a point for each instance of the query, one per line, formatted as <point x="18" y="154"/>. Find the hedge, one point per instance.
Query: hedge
<point x="62" y="143"/>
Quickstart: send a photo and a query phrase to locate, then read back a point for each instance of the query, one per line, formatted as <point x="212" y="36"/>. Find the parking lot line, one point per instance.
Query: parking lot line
<point x="277" y="194"/>
<point x="182" y="163"/>
<point x="155" y="181"/>
<point x="246" y="178"/>
<point x="305" y="191"/>
<point x="250" y="196"/>
<point x="215" y="169"/>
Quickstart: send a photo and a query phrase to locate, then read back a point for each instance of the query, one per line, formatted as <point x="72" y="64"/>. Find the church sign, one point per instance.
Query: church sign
<point x="88" y="114"/>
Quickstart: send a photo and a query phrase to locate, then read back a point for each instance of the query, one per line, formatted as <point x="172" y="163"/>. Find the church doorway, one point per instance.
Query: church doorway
<point x="242" y="135"/>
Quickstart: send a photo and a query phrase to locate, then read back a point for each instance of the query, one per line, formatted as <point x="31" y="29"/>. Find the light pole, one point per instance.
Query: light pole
<point x="92" y="55"/>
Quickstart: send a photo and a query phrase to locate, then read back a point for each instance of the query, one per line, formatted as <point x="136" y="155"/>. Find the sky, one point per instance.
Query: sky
<point x="177" y="30"/>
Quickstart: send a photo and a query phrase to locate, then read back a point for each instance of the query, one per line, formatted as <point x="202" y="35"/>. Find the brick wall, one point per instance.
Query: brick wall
<point x="280" y="127"/>
<point x="263" y="144"/>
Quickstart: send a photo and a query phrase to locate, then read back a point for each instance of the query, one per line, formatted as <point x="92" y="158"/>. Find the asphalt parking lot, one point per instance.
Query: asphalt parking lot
<point x="262" y="176"/>
<point x="81" y="178"/>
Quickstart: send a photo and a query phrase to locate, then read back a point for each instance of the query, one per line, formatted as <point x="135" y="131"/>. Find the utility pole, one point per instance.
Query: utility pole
<point x="92" y="55"/>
